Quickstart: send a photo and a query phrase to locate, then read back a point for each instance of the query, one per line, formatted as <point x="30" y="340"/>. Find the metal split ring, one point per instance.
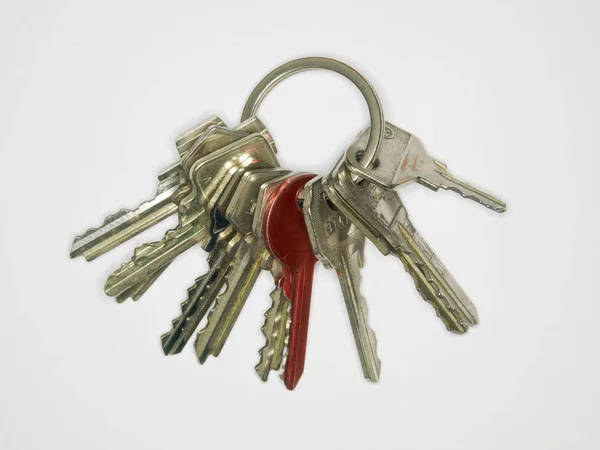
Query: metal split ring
<point x="377" y="129"/>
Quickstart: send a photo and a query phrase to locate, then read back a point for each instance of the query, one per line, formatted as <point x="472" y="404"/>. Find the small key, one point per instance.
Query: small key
<point x="381" y="216"/>
<point x="208" y="177"/>
<point x="237" y="208"/>
<point x="284" y="233"/>
<point x="209" y="142"/>
<point x="339" y="245"/>
<point x="402" y="159"/>
<point x="203" y="293"/>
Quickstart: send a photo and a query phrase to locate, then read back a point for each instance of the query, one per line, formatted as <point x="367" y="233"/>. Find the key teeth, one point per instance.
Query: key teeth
<point x="499" y="209"/>
<point x="142" y="251"/>
<point x="204" y="354"/>
<point x="108" y="219"/>
<point x="460" y="326"/>
<point x="286" y="341"/>
<point x="372" y="376"/>
<point x="266" y="356"/>
<point x="168" y="344"/>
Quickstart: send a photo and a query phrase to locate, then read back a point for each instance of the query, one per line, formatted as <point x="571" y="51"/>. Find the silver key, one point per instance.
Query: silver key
<point x="241" y="276"/>
<point x="381" y="216"/>
<point x="402" y="159"/>
<point x="339" y="245"/>
<point x="209" y="177"/>
<point x="203" y="293"/>
<point x="214" y="138"/>
<point x="237" y="208"/>
<point x="125" y="224"/>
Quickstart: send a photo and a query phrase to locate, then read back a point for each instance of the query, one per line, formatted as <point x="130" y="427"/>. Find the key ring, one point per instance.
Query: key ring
<point x="299" y="65"/>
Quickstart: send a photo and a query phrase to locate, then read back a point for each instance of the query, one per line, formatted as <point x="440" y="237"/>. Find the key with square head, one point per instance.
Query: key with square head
<point x="202" y="294"/>
<point x="237" y="209"/>
<point x="209" y="176"/>
<point x="285" y="236"/>
<point x="381" y="216"/>
<point x="214" y="138"/>
<point x="245" y="212"/>
<point x="276" y="327"/>
<point x="339" y="245"/>
<point x="125" y="224"/>
<point x="402" y="159"/>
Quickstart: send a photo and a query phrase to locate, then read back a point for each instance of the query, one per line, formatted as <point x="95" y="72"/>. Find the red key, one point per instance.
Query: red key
<point x="285" y="235"/>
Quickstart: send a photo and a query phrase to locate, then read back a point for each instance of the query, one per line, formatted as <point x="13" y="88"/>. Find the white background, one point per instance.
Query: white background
<point x="505" y="92"/>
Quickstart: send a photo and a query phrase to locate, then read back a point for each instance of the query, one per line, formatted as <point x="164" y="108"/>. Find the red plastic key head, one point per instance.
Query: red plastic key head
<point x="285" y="235"/>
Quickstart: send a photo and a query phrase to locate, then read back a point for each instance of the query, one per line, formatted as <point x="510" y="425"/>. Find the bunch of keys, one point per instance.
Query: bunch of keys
<point x="234" y="200"/>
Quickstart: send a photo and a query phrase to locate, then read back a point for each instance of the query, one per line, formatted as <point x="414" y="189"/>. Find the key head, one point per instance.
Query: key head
<point x="208" y="173"/>
<point x="375" y="210"/>
<point x="331" y="232"/>
<point x="285" y="235"/>
<point x="239" y="211"/>
<point x="263" y="194"/>
<point x="185" y="141"/>
<point x="400" y="160"/>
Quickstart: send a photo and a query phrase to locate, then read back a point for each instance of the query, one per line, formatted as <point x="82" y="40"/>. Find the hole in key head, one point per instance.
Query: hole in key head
<point x="328" y="202"/>
<point x="300" y="199"/>
<point x="361" y="182"/>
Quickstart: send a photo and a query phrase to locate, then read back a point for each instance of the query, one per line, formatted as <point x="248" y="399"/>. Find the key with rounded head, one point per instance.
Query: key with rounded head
<point x="402" y="159"/>
<point x="339" y="245"/>
<point x="381" y="216"/>
<point x="285" y="236"/>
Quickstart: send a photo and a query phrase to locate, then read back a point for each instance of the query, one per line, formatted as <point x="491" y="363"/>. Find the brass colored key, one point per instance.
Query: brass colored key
<point x="339" y="245"/>
<point x="208" y="176"/>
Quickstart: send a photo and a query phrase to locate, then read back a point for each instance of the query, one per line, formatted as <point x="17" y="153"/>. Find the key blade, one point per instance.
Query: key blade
<point x="276" y="330"/>
<point x="136" y="292"/>
<point x="239" y="280"/>
<point x="339" y="245"/>
<point x="125" y="224"/>
<point x="448" y="182"/>
<point x="149" y="258"/>
<point x="202" y="294"/>
<point x="366" y="341"/>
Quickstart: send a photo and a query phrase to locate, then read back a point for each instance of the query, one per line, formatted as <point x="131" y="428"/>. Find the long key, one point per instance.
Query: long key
<point x="207" y="176"/>
<point x="285" y="235"/>
<point x="381" y="216"/>
<point x="203" y="293"/>
<point x="402" y="159"/>
<point x="237" y="208"/>
<point x="213" y="138"/>
<point x="339" y="245"/>
<point x="125" y="224"/>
